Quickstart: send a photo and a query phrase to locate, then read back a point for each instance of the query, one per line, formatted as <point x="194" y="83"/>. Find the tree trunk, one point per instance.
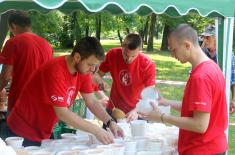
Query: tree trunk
<point x="145" y="33"/>
<point x="157" y="31"/>
<point x="151" y="32"/>
<point x="98" y="25"/>
<point x="87" y="30"/>
<point x="78" y="33"/>
<point x="119" y="36"/>
<point x="166" y="31"/>
<point x="127" y="30"/>
<point x="3" y="27"/>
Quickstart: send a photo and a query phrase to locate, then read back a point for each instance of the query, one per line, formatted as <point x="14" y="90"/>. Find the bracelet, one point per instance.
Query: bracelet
<point x="109" y="122"/>
<point x="162" y="117"/>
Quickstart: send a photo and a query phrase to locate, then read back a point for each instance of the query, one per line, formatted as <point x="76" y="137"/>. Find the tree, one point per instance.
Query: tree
<point x="4" y="27"/>
<point x="48" y="25"/>
<point x="151" y="32"/>
<point x="98" y="25"/>
<point x="193" y="19"/>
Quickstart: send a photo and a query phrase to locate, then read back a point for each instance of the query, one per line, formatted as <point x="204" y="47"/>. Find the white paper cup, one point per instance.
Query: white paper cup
<point x="32" y="149"/>
<point x="43" y="153"/>
<point x="130" y="145"/>
<point x="138" y="128"/>
<point x="130" y="152"/>
<point x="141" y="143"/>
<point x="68" y="136"/>
<point x="107" y="149"/>
<point x="93" y="152"/>
<point x="80" y="147"/>
<point x="155" y="145"/>
<point x="118" y="149"/>
<point x="68" y="152"/>
<point x="148" y="153"/>
<point x="15" y="142"/>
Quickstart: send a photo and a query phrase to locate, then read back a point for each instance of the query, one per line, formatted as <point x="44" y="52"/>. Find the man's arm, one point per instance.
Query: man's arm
<point x="232" y="103"/>
<point x="5" y="75"/>
<point x="197" y="123"/>
<point x="100" y="113"/>
<point x="67" y="116"/>
<point x="95" y="108"/>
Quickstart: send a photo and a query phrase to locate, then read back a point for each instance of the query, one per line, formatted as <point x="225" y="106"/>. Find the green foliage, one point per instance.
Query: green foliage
<point x="193" y="19"/>
<point x="66" y="36"/>
<point x="48" y="25"/>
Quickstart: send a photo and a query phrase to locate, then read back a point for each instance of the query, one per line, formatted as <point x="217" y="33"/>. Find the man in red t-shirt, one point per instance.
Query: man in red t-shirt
<point x="204" y="113"/>
<point x="21" y="55"/>
<point x="51" y="90"/>
<point x="131" y="72"/>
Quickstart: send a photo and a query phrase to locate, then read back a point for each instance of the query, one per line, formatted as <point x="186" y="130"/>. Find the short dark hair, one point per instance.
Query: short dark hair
<point x="132" y="41"/>
<point x="88" y="46"/>
<point x="20" y="18"/>
<point x="185" y="31"/>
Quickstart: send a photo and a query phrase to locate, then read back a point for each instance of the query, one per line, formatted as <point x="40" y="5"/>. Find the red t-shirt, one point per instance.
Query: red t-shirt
<point x="205" y="92"/>
<point x="33" y="116"/>
<point x="128" y="79"/>
<point x="25" y="52"/>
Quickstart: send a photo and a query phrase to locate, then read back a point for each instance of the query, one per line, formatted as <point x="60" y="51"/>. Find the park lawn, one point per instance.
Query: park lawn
<point x="167" y="68"/>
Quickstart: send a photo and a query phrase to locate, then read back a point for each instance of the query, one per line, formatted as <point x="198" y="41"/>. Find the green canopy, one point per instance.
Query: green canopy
<point x="212" y="8"/>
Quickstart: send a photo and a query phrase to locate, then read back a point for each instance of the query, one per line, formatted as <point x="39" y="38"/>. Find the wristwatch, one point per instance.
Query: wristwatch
<point x="109" y="122"/>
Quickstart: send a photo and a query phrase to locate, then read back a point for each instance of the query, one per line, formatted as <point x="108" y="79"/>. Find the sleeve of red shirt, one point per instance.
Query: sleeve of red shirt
<point x="95" y="87"/>
<point x="55" y="88"/>
<point x="86" y="86"/>
<point x="150" y="75"/>
<point x="201" y="95"/>
<point x="8" y="52"/>
<point x="105" y="65"/>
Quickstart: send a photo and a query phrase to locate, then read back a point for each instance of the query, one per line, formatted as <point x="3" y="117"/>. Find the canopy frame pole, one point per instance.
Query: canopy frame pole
<point x="225" y="47"/>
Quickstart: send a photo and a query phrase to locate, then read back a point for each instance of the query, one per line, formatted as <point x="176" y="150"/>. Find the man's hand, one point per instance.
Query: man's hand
<point x="116" y="130"/>
<point x="103" y="136"/>
<point x="132" y="115"/>
<point x="232" y="106"/>
<point x="154" y="115"/>
<point x="161" y="100"/>
<point x="3" y="96"/>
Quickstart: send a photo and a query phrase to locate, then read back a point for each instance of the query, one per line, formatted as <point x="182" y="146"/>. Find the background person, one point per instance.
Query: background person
<point x="209" y="47"/>
<point x="21" y="55"/>
<point x="131" y="72"/>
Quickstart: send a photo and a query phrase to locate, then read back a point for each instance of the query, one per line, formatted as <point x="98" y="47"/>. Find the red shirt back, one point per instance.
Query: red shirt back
<point x="205" y="92"/>
<point x="128" y="79"/>
<point x="33" y="116"/>
<point x="25" y="52"/>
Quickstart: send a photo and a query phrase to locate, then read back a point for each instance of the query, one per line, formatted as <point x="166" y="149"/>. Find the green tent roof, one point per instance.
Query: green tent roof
<point x="210" y="8"/>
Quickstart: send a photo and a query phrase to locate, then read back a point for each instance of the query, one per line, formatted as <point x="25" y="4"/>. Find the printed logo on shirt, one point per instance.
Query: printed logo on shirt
<point x="57" y="98"/>
<point x="125" y="77"/>
<point x="70" y="95"/>
<point x="54" y="98"/>
<point x="201" y="103"/>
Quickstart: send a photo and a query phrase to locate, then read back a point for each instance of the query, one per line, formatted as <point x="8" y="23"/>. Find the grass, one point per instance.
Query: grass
<point x="167" y="69"/>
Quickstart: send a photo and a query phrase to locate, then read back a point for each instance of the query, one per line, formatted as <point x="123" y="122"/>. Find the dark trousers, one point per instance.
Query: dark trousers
<point x="6" y="132"/>
<point x="221" y="153"/>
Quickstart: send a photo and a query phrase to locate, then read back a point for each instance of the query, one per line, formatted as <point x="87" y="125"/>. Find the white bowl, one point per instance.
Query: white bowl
<point x="68" y="152"/>
<point x="15" y="142"/>
<point x="68" y="136"/>
<point x="149" y="93"/>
